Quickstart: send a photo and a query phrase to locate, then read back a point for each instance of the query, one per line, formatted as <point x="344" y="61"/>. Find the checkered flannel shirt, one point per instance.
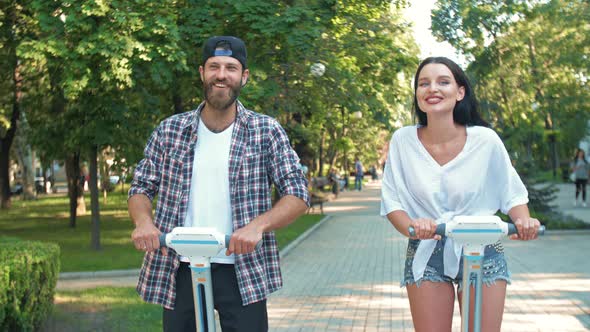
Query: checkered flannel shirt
<point x="260" y="154"/>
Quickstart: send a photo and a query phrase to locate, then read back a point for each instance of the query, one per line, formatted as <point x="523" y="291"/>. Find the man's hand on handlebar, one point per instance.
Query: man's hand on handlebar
<point x="425" y="229"/>
<point x="244" y="240"/>
<point x="145" y="237"/>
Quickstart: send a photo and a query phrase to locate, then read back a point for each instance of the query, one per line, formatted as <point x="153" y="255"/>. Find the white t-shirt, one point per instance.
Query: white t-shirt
<point x="480" y="180"/>
<point x="209" y="202"/>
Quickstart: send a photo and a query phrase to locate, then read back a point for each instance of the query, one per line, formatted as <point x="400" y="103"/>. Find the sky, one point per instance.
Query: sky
<point x="419" y="14"/>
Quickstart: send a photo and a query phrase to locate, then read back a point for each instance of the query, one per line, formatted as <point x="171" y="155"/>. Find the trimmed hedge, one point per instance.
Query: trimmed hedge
<point x="28" y="275"/>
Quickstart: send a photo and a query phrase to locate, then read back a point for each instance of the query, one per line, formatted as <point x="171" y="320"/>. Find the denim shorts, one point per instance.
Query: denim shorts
<point x="494" y="266"/>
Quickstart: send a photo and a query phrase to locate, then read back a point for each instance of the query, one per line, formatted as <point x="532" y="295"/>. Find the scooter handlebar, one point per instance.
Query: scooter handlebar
<point x="163" y="240"/>
<point x="227" y="239"/>
<point x="512" y="229"/>
<point x="441" y="230"/>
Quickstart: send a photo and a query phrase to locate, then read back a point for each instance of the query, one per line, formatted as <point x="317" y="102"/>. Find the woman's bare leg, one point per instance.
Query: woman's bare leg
<point x="431" y="305"/>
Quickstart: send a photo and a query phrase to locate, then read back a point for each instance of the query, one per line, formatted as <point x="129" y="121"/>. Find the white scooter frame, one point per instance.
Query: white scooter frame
<point x="199" y="244"/>
<point x="474" y="233"/>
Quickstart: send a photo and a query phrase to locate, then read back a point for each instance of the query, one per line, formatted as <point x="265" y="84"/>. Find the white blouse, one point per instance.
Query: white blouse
<point x="478" y="181"/>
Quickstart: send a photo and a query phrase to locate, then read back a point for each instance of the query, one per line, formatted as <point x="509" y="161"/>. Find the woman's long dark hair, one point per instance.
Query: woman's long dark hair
<point x="583" y="155"/>
<point x="465" y="111"/>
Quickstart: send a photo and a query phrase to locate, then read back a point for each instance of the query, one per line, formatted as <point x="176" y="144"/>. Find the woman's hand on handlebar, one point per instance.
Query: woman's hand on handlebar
<point x="528" y="229"/>
<point x="425" y="229"/>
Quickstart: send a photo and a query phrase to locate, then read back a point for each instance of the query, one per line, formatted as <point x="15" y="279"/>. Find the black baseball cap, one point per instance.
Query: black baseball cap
<point x="225" y="46"/>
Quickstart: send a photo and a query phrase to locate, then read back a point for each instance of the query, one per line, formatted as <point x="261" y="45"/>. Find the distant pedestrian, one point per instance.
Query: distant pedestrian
<point x="580" y="170"/>
<point x="336" y="181"/>
<point x="373" y="171"/>
<point x="358" y="174"/>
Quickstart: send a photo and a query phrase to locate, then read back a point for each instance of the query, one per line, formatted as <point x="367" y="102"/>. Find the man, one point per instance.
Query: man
<point x="213" y="167"/>
<point x="359" y="174"/>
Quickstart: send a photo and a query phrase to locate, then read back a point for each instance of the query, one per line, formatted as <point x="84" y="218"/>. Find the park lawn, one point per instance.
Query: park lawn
<point x="103" y="309"/>
<point x="47" y="220"/>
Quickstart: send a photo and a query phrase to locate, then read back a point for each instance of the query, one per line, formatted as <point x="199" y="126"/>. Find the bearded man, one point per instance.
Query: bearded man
<point x="214" y="167"/>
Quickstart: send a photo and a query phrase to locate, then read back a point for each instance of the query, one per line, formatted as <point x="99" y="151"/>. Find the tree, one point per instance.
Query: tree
<point x="101" y="44"/>
<point x="367" y="81"/>
<point x="533" y="57"/>
<point x="14" y="29"/>
<point x="113" y="70"/>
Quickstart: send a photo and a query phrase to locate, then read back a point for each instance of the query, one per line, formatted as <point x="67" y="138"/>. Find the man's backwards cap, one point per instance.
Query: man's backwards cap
<point x="225" y="46"/>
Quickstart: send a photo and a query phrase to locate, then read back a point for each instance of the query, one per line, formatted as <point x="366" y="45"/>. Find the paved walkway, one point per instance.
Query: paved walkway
<point x="564" y="200"/>
<point x="345" y="275"/>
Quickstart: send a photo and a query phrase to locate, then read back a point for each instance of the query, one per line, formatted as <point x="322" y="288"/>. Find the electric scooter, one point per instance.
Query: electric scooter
<point x="474" y="233"/>
<point x="199" y="244"/>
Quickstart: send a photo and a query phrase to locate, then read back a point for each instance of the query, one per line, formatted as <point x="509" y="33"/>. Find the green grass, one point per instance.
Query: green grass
<point x="547" y="176"/>
<point x="291" y="232"/>
<point x="47" y="220"/>
<point x="103" y="309"/>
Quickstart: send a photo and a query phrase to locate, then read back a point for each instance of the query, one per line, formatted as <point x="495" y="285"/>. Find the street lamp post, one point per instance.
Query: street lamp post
<point x="317" y="70"/>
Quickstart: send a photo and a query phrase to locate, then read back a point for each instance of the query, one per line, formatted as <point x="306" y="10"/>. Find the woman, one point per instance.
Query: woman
<point x="581" y="170"/>
<point x="450" y="164"/>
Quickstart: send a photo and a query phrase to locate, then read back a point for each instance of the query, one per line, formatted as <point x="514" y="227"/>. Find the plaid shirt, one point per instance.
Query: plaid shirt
<point x="260" y="154"/>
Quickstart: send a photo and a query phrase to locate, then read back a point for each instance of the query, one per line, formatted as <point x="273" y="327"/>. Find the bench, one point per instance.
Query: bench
<point x="317" y="198"/>
<point x="320" y="183"/>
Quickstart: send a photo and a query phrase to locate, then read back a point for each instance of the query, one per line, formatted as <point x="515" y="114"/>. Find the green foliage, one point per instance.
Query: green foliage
<point x="28" y="275"/>
<point x="554" y="220"/>
<point x="358" y="80"/>
<point x="107" y="48"/>
<point x="469" y="24"/>
<point x="529" y="68"/>
<point x="540" y="194"/>
<point x="113" y="70"/>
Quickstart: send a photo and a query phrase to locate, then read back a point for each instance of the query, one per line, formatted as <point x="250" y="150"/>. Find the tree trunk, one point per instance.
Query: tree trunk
<point x="25" y="158"/>
<point x="321" y="153"/>
<point x="6" y="141"/>
<point x="4" y="177"/>
<point x="104" y="178"/>
<point x="74" y="193"/>
<point x="346" y="119"/>
<point x="332" y="159"/>
<point x="94" y="205"/>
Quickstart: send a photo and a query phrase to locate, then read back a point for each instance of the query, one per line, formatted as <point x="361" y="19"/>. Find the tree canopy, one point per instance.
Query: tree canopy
<point x="530" y="68"/>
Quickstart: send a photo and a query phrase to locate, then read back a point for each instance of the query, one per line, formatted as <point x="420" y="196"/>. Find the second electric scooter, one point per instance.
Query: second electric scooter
<point x="474" y="233"/>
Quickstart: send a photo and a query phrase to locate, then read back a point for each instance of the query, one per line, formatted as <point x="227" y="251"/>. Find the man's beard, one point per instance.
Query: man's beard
<point x="218" y="101"/>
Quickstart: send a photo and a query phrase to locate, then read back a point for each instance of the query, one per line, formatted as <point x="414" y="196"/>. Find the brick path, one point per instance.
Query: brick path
<point x="345" y="277"/>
